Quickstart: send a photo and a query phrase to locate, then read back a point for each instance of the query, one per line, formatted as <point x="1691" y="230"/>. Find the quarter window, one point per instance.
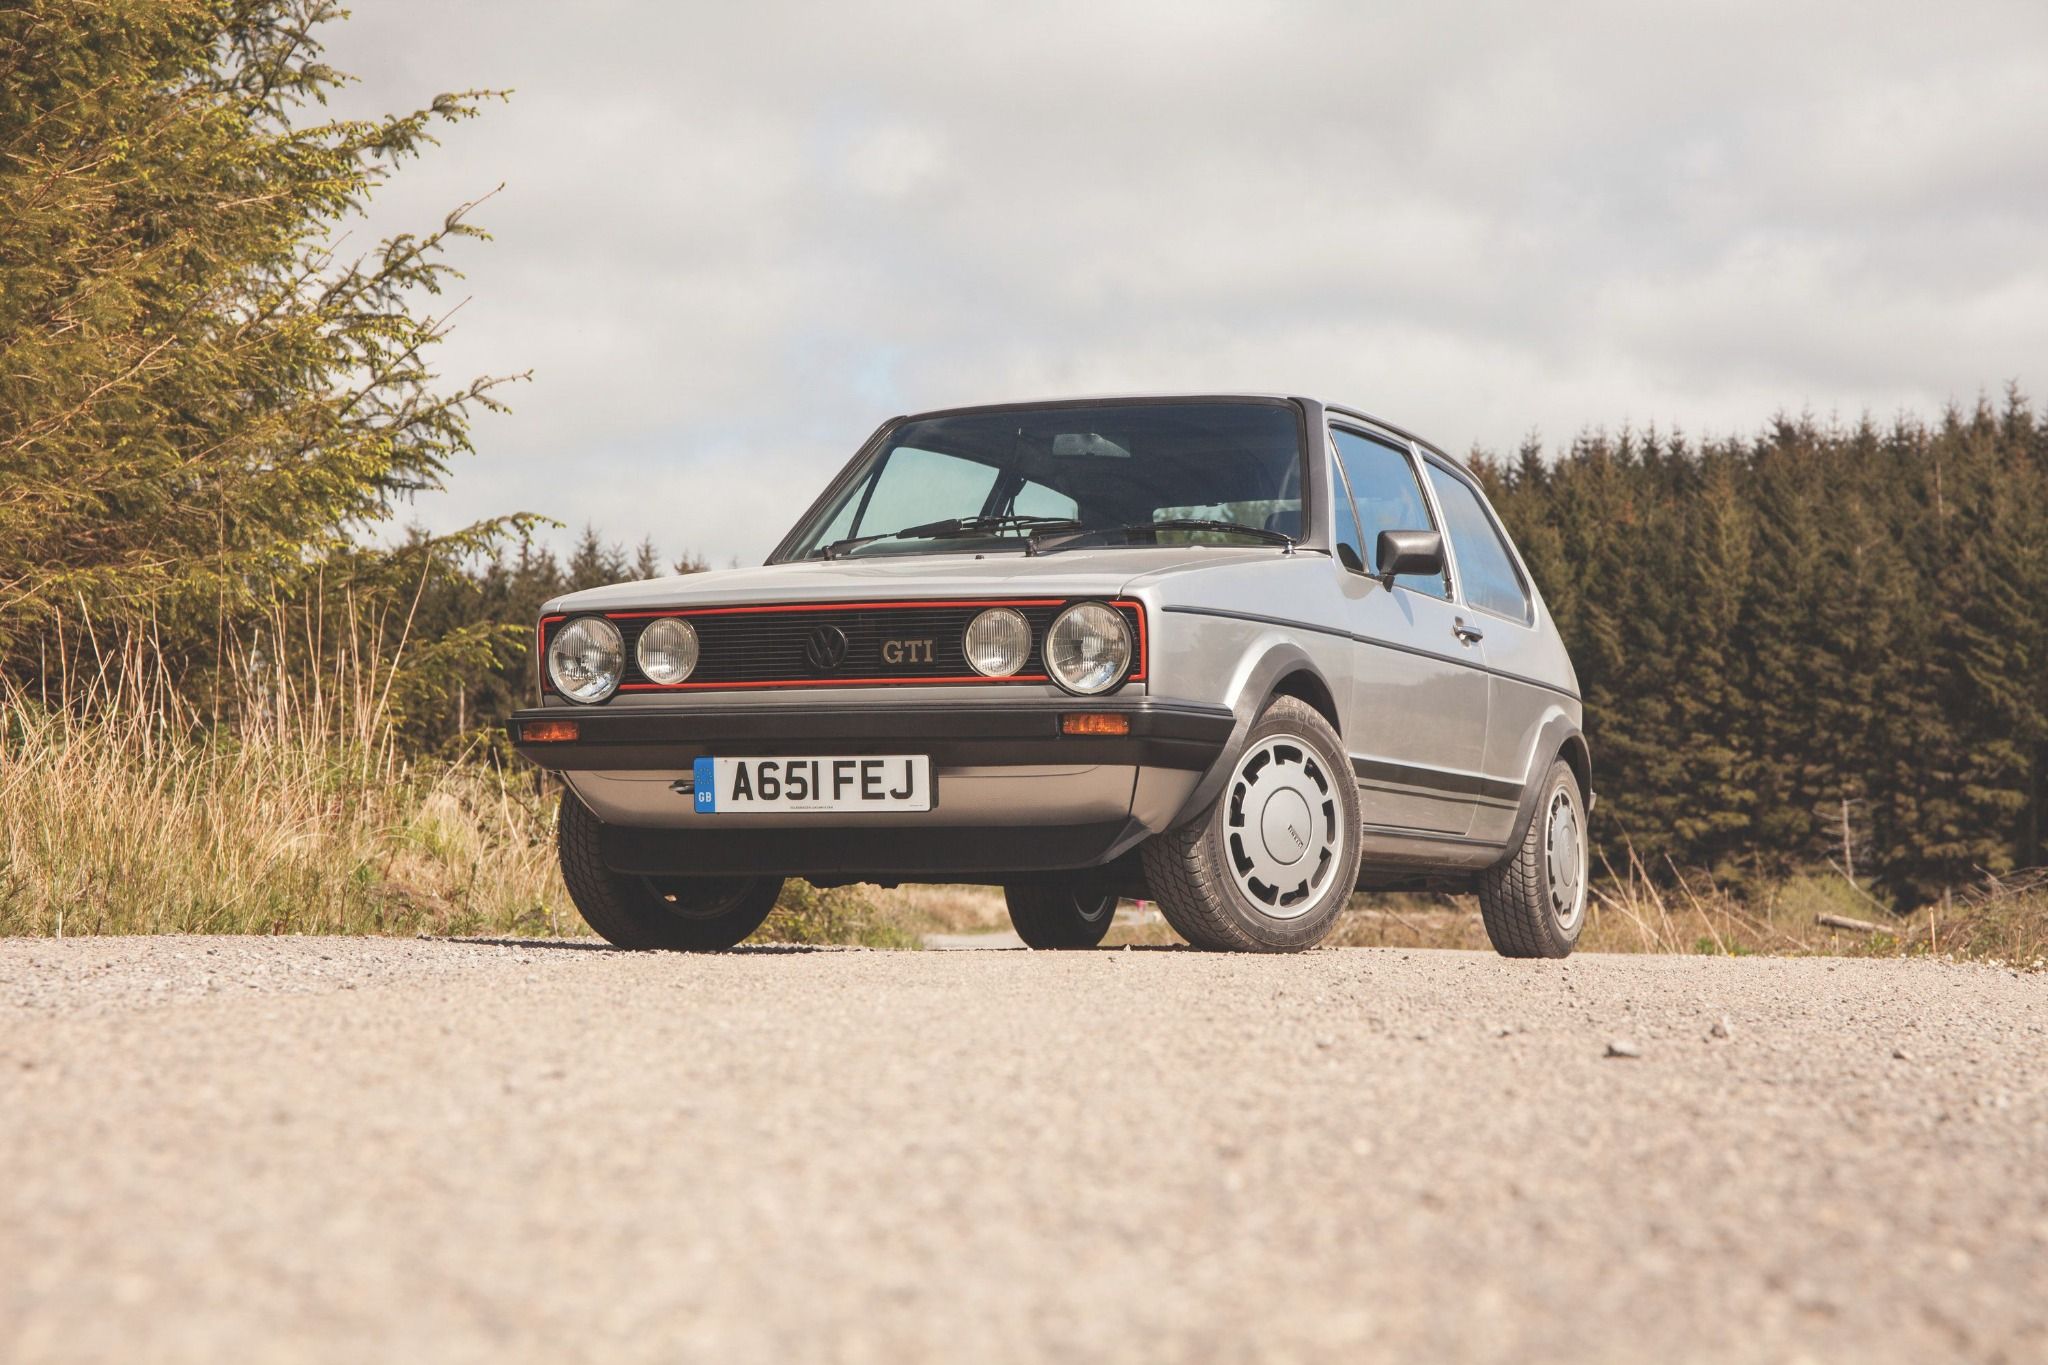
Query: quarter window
<point x="1387" y="498"/>
<point x="1485" y="566"/>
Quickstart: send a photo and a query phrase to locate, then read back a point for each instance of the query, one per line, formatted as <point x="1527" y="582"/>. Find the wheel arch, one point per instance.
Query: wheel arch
<point x="1559" y="738"/>
<point x="1284" y="669"/>
<point x="1306" y="685"/>
<point x="1574" y="752"/>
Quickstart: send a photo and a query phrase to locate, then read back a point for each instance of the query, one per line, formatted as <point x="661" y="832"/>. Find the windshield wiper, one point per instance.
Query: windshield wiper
<point x="1064" y="539"/>
<point x="956" y="526"/>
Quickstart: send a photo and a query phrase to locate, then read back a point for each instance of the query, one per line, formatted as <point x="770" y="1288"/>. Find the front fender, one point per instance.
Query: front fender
<point x="1256" y="680"/>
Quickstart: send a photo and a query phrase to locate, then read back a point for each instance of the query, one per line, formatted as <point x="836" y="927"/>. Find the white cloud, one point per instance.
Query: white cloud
<point x="733" y="238"/>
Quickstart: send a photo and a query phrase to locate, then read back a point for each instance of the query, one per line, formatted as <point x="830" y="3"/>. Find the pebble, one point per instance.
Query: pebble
<point x="1623" y="1047"/>
<point x="1720" y="1028"/>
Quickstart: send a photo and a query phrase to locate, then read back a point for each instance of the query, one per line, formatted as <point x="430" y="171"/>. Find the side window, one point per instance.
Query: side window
<point x="1485" y="565"/>
<point x="1387" y="498"/>
<point x="915" y="486"/>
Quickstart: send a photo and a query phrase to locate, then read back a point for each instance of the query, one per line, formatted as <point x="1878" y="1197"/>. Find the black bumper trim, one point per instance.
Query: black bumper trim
<point x="1163" y="734"/>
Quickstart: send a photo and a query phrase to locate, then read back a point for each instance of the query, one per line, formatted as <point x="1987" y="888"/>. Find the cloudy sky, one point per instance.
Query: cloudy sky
<point x="734" y="237"/>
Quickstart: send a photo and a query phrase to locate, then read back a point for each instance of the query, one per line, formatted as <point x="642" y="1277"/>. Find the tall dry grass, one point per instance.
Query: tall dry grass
<point x="1825" y="913"/>
<point x="283" y="802"/>
<point x="124" y="809"/>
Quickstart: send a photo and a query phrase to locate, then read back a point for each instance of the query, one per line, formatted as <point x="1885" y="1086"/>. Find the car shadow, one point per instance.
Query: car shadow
<point x="568" y="946"/>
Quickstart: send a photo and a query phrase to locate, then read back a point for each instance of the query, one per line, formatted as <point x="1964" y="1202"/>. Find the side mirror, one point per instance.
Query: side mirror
<point x="1400" y="552"/>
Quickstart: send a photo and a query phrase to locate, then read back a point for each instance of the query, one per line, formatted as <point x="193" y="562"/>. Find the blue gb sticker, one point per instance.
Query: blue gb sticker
<point x="706" y="786"/>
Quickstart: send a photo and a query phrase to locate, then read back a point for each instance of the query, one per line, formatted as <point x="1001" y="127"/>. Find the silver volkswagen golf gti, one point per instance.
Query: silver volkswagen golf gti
<point x="1241" y="655"/>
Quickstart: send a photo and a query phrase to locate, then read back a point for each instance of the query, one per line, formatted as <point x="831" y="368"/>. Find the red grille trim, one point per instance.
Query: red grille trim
<point x="1137" y="674"/>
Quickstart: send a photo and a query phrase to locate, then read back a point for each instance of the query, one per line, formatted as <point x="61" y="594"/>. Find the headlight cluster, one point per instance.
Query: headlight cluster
<point x="1088" y="650"/>
<point x="587" y="657"/>
<point x="998" y="642"/>
<point x="667" y="650"/>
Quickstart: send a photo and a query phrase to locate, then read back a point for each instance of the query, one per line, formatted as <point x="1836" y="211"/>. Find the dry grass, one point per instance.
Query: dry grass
<point x="122" y="813"/>
<point x="1997" y="921"/>
<point x="117" y="825"/>
<point x="126" y="812"/>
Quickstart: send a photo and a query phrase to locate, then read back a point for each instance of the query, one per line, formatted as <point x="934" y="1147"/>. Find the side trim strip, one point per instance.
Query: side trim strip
<point x="1369" y="640"/>
<point x="1436" y="779"/>
<point x="1433" y="837"/>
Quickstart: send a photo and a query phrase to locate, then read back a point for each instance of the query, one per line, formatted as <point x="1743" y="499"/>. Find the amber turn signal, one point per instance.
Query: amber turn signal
<point x="1094" y="723"/>
<point x="548" y="731"/>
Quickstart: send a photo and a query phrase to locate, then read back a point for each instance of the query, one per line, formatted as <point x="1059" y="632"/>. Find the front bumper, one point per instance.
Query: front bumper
<point x="1016" y="797"/>
<point x="1162" y="734"/>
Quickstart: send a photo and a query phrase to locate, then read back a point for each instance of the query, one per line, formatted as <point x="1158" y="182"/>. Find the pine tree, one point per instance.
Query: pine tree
<point x="198" y="400"/>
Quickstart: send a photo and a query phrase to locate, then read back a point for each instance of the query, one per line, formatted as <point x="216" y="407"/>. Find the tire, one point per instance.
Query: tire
<point x="699" y="914"/>
<point x="1067" y="914"/>
<point x="1224" y="880"/>
<point x="1534" y="900"/>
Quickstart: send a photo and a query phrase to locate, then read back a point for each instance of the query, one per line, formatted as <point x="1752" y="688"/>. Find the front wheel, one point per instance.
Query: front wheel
<point x="1534" y="900"/>
<point x="1270" y="865"/>
<point x="690" y="913"/>
<point x="1060" y="914"/>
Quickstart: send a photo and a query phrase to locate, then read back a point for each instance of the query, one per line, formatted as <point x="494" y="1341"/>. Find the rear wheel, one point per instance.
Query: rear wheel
<point x="1270" y="865"/>
<point x="1060" y="914"/>
<point x="1534" y="900"/>
<point x="632" y="911"/>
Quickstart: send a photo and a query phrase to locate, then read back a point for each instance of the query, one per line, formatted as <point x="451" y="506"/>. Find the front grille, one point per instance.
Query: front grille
<point x="766" y="646"/>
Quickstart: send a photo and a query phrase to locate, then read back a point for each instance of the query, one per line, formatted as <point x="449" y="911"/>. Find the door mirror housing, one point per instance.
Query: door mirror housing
<point x="1401" y="552"/>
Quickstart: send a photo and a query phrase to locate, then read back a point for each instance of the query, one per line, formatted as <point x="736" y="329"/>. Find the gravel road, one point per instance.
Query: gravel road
<point x="348" y="1150"/>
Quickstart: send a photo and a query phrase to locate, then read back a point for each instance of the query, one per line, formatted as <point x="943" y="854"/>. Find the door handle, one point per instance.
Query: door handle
<point x="1471" y="635"/>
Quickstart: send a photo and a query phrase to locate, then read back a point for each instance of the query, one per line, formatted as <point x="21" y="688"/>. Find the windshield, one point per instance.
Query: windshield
<point x="992" y="479"/>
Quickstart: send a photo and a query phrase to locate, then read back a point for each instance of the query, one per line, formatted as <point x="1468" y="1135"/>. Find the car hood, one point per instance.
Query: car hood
<point x="1066" y="573"/>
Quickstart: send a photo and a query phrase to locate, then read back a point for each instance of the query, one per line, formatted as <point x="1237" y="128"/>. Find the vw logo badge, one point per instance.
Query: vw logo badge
<point x="825" y="648"/>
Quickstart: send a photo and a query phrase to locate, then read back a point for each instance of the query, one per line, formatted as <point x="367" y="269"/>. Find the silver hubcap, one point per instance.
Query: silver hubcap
<point x="1565" y="845"/>
<point x="1283" y="830"/>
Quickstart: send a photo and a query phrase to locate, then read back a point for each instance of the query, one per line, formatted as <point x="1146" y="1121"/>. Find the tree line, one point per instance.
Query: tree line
<point x="1826" y="643"/>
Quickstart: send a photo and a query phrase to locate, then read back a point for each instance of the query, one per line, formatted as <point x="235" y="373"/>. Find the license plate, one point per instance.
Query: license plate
<point x="889" y="782"/>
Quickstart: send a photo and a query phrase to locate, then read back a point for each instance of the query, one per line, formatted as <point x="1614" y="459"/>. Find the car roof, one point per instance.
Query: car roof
<point x="1154" y="396"/>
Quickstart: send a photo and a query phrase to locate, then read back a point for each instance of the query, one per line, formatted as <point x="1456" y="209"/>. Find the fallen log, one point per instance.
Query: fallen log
<point x="1861" y="926"/>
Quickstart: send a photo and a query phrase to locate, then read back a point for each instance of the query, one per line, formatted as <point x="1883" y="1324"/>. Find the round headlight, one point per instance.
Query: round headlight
<point x="667" y="650"/>
<point x="586" y="658"/>
<point x="998" y="642"/>
<point x="1088" y="648"/>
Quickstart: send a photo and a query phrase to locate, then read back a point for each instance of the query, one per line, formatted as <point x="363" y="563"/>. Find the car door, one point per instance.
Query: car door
<point x="1499" y="601"/>
<point x="1417" y="717"/>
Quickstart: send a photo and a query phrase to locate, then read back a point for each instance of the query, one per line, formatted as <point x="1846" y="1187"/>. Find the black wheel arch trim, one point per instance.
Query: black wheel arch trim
<point x="1277" y="664"/>
<point x="1558" y="738"/>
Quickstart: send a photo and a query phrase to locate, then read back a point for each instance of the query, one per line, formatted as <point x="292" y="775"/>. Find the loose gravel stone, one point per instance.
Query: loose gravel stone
<point x="544" y="1151"/>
